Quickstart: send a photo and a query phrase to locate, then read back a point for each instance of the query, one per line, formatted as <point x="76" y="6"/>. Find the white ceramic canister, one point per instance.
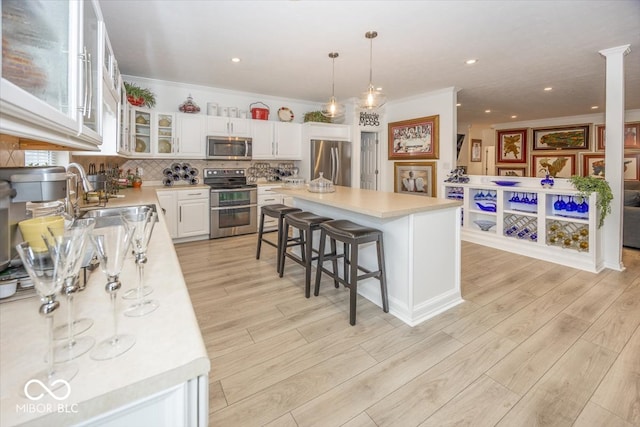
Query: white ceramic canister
<point x="233" y="112"/>
<point x="242" y="114"/>
<point x="224" y="112"/>
<point x="212" y="108"/>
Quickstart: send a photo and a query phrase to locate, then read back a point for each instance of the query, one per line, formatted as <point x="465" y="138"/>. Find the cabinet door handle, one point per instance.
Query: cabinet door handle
<point x="83" y="58"/>
<point x="180" y="215"/>
<point x="231" y="128"/>
<point x="90" y="86"/>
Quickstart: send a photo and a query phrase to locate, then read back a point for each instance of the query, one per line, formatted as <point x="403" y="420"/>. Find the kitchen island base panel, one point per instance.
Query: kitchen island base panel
<point x="422" y="252"/>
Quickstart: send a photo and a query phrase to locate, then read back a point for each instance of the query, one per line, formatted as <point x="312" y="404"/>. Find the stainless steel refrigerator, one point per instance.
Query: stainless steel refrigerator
<point x="333" y="158"/>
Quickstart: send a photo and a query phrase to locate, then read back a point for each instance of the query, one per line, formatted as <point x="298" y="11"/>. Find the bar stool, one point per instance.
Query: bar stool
<point x="306" y="223"/>
<point x="351" y="235"/>
<point x="276" y="210"/>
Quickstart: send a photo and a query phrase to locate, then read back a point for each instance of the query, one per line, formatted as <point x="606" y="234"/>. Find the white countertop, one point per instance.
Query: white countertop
<point x="377" y="204"/>
<point x="169" y="349"/>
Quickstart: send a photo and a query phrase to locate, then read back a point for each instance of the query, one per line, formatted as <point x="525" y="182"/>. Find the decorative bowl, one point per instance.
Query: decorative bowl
<point x="506" y="183"/>
<point x="484" y="225"/>
<point x="487" y="206"/>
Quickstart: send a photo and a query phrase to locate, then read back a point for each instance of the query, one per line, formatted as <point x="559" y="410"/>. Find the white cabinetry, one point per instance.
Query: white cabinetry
<point x="228" y="126"/>
<point x="49" y="88"/>
<point x="191" y="137"/>
<point x="276" y="140"/>
<point x="169" y="204"/>
<point x="186" y="212"/>
<point x="266" y="196"/>
<point x="329" y="131"/>
<point x="193" y="213"/>
<point x="531" y="221"/>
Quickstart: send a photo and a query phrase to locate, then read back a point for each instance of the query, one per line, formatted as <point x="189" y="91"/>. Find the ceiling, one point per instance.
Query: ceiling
<point x="521" y="47"/>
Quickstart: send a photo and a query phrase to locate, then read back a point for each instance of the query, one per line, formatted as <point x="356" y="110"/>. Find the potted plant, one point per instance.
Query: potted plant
<point x="316" y="116"/>
<point x="587" y="185"/>
<point x="138" y="96"/>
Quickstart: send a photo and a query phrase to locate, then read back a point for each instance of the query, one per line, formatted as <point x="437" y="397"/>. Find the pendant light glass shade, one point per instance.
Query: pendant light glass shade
<point x="372" y="98"/>
<point x="332" y="108"/>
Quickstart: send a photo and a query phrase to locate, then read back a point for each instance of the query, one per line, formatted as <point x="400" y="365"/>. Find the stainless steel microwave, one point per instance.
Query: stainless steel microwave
<point x="229" y="148"/>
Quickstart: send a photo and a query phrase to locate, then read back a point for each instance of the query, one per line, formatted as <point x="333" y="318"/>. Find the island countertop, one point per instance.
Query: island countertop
<point x="169" y="348"/>
<point x="377" y="204"/>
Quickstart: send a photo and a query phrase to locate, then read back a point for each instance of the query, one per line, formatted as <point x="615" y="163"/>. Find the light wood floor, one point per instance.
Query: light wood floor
<point x="534" y="344"/>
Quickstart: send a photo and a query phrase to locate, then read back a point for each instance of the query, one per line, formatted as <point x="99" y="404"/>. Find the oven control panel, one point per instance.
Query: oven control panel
<point x="223" y="173"/>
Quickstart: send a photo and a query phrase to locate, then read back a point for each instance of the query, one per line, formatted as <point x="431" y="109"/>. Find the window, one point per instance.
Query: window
<point x="40" y="158"/>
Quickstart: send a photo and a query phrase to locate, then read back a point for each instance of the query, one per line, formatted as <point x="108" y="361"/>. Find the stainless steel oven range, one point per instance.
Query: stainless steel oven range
<point x="234" y="203"/>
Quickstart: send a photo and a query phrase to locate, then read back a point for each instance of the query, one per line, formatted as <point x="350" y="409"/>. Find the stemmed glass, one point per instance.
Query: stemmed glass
<point x="72" y="244"/>
<point x="559" y="204"/>
<point x="47" y="271"/>
<point x="112" y="244"/>
<point x="571" y="206"/>
<point x="140" y="224"/>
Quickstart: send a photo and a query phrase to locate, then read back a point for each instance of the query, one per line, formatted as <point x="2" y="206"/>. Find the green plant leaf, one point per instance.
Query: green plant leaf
<point x="587" y="185"/>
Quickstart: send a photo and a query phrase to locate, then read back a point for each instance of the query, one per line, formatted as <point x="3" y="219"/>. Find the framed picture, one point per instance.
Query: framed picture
<point x="559" y="166"/>
<point x="575" y="137"/>
<point x="509" y="171"/>
<point x="414" y="139"/>
<point x="476" y="150"/>
<point x="594" y="165"/>
<point x="631" y="136"/>
<point x="512" y="146"/>
<point x="415" y="178"/>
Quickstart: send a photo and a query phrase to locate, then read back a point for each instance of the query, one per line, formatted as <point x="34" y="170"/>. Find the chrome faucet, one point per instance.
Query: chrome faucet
<point x="86" y="185"/>
<point x="73" y="207"/>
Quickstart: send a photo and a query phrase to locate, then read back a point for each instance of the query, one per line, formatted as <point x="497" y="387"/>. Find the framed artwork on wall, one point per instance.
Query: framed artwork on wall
<point x="575" y="137"/>
<point x="559" y="166"/>
<point x="414" y="139"/>
<point x="594" y="165"/>
<point x="415" y="178"/>
<point x="631" y="136"/>
<point x="509" y="171"/>
<point x="476" y="150"/>
<point x="512" y="146"/>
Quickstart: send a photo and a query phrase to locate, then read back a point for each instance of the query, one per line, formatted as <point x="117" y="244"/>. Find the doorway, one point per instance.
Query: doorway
<point x="369" y="160"/>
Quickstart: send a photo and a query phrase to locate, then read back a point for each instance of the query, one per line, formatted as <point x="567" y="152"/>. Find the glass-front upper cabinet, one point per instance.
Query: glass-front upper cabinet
<point x="165" y="134"/>
<point x="90" y="59"/>
<point x="38" y="53"/>
<point x="49" y="69"/>
<point x="141" y="131"/>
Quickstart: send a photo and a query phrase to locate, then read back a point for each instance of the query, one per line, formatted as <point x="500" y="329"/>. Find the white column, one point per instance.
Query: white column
<point x="614" y="153"/>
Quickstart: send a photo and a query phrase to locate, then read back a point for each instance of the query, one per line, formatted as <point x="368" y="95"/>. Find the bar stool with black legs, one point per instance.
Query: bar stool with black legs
<point x="306" y="223"/>
<point x="351" y="235"/>
<point x="278" y="211"/>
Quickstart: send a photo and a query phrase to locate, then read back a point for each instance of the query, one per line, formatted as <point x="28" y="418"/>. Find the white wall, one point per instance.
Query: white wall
<point x="169" y="95"/>
<point x="442" y="103"/>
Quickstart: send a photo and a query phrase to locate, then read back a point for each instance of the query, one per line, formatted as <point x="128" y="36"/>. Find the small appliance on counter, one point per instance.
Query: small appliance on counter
<point x="28" y="184"/>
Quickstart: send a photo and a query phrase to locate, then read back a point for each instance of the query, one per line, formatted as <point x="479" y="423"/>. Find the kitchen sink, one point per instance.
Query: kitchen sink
<point x="111" y="216"/>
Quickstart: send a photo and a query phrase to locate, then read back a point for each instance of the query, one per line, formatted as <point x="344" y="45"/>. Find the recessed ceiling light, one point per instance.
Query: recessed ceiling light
<point x="458" y="105"/>
<point x="379" y="89"/>
<point x="594" y="107"/>
<point x="548" y="88"/>
<point x="235" y="59"/>
<point x="470" y="61"/>
<point x="487" y="111"/>
<point x="514" y="117"/>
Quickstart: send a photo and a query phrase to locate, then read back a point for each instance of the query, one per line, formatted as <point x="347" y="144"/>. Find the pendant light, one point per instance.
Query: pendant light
<point x="332" y="108"/>
<point x="372" y="98"/>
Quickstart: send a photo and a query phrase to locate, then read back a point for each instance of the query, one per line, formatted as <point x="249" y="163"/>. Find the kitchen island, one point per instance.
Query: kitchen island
<point x="162" y="380"/>
<point x="421" y="244"/>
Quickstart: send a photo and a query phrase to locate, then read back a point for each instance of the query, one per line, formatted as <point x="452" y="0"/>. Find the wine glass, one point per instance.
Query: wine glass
<point x="72" y="244"/>
<point x="583" y="207"/>
<point x="559" y="204"/>
<point x="141" y="290"/>
<point x="140" y="224"/>
<point x="571" y="206"/>
<point x="111" y="244"/>
<point x="47" y="271"/>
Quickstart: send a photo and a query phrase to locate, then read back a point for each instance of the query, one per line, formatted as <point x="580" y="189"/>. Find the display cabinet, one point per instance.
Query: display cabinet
<point x="164" y="139"/>
<point x="50" y="63"/>
<point x="140" y="124"/>
<point x="549" y="224"/>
